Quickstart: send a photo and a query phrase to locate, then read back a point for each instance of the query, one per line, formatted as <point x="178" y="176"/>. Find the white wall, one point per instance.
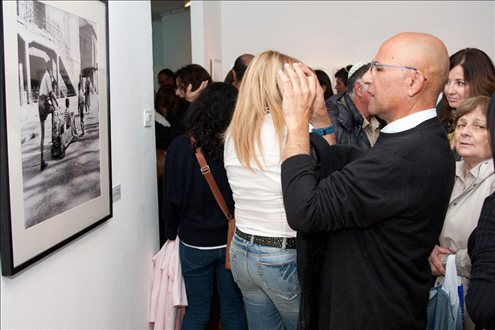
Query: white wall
<point x="171" y="42"/>
<point x="198" y="44"/>
<point x="331" y="34"/>
<point x="212" y="41"/>
<point x="103" y="279"/>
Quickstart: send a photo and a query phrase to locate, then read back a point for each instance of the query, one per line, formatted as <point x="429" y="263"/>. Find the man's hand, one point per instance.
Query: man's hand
<point x="299" y="94"/>
<point x="300" y="87"/>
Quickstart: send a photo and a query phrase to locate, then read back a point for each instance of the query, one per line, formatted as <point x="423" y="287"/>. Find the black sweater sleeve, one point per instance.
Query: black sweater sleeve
<point x="480" y="298"/>
<point x="364" y="192"/>
<point x="397" y="178"/>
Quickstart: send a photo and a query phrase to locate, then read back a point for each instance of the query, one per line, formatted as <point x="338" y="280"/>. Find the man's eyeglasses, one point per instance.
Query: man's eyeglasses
<point x="373" y="64"/>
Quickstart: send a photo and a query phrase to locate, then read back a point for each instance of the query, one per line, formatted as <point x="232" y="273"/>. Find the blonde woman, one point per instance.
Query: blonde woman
<point x="263" y="250"/>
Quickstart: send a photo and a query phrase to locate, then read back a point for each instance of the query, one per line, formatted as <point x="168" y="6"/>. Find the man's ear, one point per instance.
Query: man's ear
<point x="358" y="88"/>
<point x="415" y="83"/>
<point x="234" y="75"/>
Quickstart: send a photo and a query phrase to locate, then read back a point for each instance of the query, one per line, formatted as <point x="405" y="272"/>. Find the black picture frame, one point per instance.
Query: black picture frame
<point x="54" y="61"/>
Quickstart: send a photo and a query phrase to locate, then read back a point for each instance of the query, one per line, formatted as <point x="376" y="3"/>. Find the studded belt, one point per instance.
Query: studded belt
<point x="290" y="243"/>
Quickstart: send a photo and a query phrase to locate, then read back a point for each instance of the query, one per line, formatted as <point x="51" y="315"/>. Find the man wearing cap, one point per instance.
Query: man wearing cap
<point x="348" y="111"/>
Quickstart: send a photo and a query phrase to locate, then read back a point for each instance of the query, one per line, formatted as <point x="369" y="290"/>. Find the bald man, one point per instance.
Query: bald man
<point x="377" y="218"/>
<point x="240" y="66"/>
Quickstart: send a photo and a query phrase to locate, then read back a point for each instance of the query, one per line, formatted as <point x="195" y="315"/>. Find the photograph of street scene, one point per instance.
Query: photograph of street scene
<point x="59" y="110"/>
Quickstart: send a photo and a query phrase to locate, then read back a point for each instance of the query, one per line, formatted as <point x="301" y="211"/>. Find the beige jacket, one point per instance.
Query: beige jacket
<point x="464" y="210"/>
<point x="462" y="217"/>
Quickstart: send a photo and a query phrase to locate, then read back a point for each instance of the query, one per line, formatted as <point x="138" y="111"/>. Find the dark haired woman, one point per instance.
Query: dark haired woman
<point x="341" y="77"/>
<point x="325" y="83"/>
<point x="190" y="81"/>
<point x="471" y="74"/>
<point x="191" y="211"/>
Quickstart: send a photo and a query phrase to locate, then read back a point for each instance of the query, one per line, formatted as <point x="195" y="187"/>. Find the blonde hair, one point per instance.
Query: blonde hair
<point x="261" y="91"/>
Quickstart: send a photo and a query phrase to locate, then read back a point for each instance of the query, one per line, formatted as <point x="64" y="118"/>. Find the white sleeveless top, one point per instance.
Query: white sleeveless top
<point x="259" y="205"/>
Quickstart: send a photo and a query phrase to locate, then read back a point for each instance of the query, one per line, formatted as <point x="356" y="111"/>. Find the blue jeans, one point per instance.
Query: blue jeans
<point x="267" y="277"/>
<point x="201" y="268"/>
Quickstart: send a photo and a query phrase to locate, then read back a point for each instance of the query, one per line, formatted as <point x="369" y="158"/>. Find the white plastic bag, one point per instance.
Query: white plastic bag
<point x="446" y="302"/>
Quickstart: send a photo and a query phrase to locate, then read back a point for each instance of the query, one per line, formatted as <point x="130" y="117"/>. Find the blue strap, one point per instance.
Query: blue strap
<point x="436" y="301"/>
<point x="460" y="292"/>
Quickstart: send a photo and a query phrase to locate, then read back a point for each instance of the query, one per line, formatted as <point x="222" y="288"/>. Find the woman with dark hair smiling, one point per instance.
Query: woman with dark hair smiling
<point x="471" y="74"/>
<point x="191" y="211"/>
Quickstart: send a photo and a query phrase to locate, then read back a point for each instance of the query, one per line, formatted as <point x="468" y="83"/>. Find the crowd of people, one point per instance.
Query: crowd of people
<point x="347" y="205"/>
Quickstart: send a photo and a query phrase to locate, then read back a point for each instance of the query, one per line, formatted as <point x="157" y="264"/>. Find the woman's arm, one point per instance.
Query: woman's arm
<point x="480" y="300"/>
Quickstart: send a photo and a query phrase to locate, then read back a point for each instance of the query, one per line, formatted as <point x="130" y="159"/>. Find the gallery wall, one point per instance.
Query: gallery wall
<point x="331" y="34"/>
<point x="103" y="279"/>
<point x="171" y="41"/>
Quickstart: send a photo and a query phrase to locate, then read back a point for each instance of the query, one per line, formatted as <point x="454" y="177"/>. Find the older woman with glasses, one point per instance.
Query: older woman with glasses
<point x="475" y="180"/>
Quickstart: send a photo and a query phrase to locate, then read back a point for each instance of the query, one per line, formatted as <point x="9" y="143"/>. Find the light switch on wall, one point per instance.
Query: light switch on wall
<point x="148" y="118"/>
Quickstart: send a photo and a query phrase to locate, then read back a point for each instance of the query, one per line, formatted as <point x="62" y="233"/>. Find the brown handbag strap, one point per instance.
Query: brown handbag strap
<point x="205" y="170"/>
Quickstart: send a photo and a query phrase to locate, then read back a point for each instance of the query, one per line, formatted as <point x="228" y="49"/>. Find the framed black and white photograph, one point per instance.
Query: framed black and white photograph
<point x="55" y="129"/>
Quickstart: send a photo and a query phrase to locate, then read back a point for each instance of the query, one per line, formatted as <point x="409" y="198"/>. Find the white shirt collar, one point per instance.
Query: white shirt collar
<point x="410" y="121"/>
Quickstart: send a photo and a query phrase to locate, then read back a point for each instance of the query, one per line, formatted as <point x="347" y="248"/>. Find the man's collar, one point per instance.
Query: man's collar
<point x="410" y="121"/>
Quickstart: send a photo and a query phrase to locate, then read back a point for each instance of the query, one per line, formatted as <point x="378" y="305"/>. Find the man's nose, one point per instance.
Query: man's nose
<point x="367" y="77"/>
